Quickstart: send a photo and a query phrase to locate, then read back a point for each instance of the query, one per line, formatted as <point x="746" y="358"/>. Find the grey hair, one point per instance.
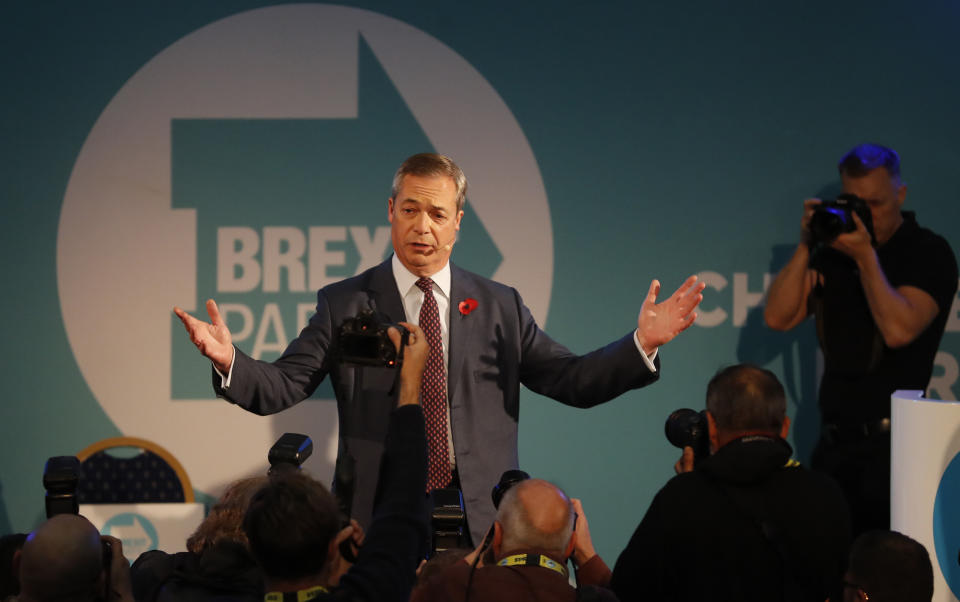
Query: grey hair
<point x="431" y="164"/>
<point x="521" y="527"/>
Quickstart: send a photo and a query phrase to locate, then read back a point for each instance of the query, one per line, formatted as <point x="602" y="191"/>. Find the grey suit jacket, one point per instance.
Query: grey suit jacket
<point x="493" y="349"/>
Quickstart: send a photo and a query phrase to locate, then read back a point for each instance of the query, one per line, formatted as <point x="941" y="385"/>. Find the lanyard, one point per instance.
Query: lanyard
<point x="533" y="560"/>
<point x="298" y="596"/>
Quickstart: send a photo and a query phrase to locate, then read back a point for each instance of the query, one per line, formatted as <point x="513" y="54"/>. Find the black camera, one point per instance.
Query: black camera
<point x="364" y="341"/>
<point x="289" y="453"/>
<point x="833" y="218"/>
<point x="688" y="428"/>
<point x="448" y="520"/>
<point x="507" y="480"/>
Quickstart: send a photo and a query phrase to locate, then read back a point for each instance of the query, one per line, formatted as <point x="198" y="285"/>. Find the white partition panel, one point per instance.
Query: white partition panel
<point x="145" y="527"/>
<point x="925" y="482"/>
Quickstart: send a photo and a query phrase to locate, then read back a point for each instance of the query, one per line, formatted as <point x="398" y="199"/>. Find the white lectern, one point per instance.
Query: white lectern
<point x="145" y="527"/>
<point x="925" y="482"/>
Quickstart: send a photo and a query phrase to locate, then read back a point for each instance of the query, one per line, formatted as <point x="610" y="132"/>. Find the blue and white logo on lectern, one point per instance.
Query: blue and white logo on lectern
<point x="946" y="525"/>
<point x="135" y="531"/>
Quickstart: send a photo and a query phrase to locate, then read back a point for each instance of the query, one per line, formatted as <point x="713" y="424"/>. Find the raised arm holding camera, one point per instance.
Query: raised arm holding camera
<point x="294" y="526"/>
<point x="881" y="300"/>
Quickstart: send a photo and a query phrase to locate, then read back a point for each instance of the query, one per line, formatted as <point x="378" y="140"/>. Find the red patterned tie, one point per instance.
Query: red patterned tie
<point x="433" y="394"/>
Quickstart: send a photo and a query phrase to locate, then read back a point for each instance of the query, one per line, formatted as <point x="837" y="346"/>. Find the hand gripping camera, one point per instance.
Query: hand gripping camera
<point x="833" y="218"/>
<point x="364" y="341"/>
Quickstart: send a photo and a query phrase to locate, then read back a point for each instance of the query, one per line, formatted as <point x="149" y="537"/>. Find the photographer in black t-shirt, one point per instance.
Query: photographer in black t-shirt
<point x="881" y="304"/>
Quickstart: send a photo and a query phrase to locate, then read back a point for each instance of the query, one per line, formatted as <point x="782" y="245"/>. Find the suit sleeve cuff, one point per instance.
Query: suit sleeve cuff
<point x="225" y="380"/>
<point x="648" y="360"/>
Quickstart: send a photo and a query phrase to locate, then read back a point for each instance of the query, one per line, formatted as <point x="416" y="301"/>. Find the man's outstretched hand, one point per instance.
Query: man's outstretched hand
<point x="659" y="323"/>
<point x="212" y="339"/>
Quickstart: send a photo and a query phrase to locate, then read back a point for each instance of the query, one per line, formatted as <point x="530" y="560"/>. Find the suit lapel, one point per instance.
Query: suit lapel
<point x="461" y="326"/>
<point x="384" y="296"/>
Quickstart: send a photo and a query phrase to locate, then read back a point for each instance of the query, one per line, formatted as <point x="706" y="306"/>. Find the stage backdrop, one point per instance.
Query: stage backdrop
<point x="159" y="155"/>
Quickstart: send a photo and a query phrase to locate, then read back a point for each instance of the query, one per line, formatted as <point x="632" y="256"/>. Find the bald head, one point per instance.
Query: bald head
<point x="61" y="560"/>
<point x="535" y="514"/>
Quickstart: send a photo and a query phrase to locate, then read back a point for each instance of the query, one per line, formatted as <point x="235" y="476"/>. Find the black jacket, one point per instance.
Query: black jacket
<point x="226" y="572"/>
<point x="746" y="524"/>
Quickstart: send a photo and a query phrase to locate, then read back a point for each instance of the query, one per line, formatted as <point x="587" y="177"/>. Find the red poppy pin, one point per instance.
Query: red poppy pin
<point x="468" y="305"/>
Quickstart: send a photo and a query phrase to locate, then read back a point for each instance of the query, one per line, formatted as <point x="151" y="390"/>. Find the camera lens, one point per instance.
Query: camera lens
<point x="684" y="427"/>
<point x="827" y="223"/>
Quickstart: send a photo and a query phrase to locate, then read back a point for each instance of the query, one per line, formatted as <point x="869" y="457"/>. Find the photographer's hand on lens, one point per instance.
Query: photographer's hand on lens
<point x="583" y="549"/>
<point x="857" y="244"/>
<point x="120" y="587"/>
<point x="685" y="463"/>
<point x="809" y="206"/>
<point x="482" y="554"/>
<point x="659" y="323"/>
<point x="351" y="535"/>
<point x="414" y="361"/>
<point x="213" y="339"/>
<point x="356" y="537"/>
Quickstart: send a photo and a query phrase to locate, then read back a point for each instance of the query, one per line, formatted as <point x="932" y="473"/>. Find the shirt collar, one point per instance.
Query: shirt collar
<point x="406" y="279"/>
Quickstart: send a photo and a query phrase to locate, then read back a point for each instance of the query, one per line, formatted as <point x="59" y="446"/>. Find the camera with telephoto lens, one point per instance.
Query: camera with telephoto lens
<point x="688" y="428"/>
<point x="364" y="341"/>
<point x="61" y="475"/>
<point x="833" y="218"/>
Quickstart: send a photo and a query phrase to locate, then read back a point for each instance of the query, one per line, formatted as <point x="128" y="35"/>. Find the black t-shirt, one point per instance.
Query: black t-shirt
<point x="860" y="371"/>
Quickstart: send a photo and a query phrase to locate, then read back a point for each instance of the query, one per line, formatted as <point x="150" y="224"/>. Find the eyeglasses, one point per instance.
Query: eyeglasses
<point x="855" y="586"/>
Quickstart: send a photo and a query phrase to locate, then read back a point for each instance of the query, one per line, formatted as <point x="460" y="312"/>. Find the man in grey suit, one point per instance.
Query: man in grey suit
<point x="486" y="345"/>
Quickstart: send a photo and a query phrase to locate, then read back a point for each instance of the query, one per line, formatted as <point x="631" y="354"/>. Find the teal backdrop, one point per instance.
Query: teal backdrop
<point x="155" y="154"/>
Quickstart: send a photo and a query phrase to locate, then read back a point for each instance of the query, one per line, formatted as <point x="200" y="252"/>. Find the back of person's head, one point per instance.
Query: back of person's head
<point x="745" y="397"/>
<point x="289" y="523"/>
<point x="887" y="566"/>
<point x="61" y="561"/>
<point x="864" y="158"/>
<point x="225" y="521"/>
<point x="536" y="515"/>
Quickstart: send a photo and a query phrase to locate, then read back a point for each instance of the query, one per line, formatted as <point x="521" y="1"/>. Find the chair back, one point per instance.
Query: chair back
<point x="151" y="475"/>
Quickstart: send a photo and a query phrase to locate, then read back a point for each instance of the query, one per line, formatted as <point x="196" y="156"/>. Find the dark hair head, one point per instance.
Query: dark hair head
<point x="225" y="521"/>
<point x="891" y="567"/>
<point x="745" y="398"/>
<point x="431" y="164"/>
<point x="864" y="158"/>
<point x="289" y="523"/>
